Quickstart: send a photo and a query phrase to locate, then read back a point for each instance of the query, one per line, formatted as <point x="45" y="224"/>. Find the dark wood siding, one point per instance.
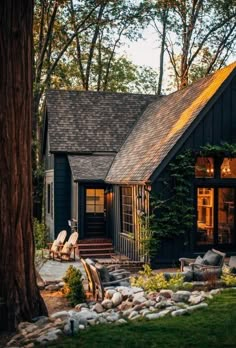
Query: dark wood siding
<point x="217" y="126"/>
<point x="62" y="184"/>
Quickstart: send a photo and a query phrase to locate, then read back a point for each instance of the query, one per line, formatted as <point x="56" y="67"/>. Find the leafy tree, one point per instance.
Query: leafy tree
<point x="18" y="288"/>
<point x="194" y="26"/>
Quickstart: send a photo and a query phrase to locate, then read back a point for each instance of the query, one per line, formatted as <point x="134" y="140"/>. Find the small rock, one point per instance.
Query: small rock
<point x="102" y="320"/>
<point x="166" y="293"/>
<point x="215" y="291"/>
<point x="61" y="315"/>
<point x="157" y="315"/>
<point x="179" y="312"/>
<point x="139" y="300"/>
<point x="121" y="321"/>
<point x="195" y="299"/>
<point x="81" y="327"/>
<point x="127" y="312"/>
<point x="139" y="307"/>
<point x="181" y="296"/>
<point x="98" y="308"/>
<point x="107" y="304"/>
<point x="136" y="317"/>
<point x="133" y="314"/>
<point x="125" y="305"/>
<point x="79" y="306"/>
<point x="113" y="317"/>
<point x="198" y="306"/>
<point x="116" y="299"/>
<point x="144" y="312"/>
<point x="109" y="293"/>
<point x="91" y="322"/>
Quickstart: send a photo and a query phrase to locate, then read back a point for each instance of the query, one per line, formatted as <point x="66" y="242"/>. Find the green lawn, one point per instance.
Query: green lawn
<point x="206" y="328"/>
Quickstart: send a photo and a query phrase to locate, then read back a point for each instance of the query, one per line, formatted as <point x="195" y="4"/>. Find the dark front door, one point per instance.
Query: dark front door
<point x="95" y="212"/>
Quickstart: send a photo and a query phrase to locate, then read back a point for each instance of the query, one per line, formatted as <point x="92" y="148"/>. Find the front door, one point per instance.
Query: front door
<point x="94" y="212"/>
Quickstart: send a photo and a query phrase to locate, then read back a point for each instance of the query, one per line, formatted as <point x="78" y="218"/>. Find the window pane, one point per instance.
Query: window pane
<point x="226" y="216"/>
<point x="126" y="210"/>
<point x="204" y="167"/>
<point x="228" y="168"/>
<point x="205" y="220"/>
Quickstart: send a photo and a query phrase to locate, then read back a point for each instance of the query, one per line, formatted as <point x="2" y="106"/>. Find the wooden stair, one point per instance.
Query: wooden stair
<point x="96" y="248"/>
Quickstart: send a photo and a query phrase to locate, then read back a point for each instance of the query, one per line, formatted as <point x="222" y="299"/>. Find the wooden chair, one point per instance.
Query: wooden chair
<point x="69" y="248"/>
<point x="91" y="287"/>
<point x="100" y="286"/>
<point x="56" y="245"/>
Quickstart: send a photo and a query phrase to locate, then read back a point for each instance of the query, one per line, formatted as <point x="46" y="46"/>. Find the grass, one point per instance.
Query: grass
<point x="214" y="326"/>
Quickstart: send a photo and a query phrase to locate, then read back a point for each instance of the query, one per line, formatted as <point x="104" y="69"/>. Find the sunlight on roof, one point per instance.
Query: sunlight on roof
<point x="201" y="100"/>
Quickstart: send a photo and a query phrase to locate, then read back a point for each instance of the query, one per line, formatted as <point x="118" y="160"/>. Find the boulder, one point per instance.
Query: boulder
<point x="181" y="296"/>
<point x="79" y="306"/>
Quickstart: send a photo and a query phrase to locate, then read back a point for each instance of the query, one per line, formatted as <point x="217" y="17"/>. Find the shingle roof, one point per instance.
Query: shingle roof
<point x="161" y="126"/>
<point x="90" y="167"/>
<point x="84" y="121"/>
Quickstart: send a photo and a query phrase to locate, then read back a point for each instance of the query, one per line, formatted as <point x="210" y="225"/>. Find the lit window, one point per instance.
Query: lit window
<point x="204" y="167"/>
<point x="126" y="210"/>
<point x="228" y="168"/>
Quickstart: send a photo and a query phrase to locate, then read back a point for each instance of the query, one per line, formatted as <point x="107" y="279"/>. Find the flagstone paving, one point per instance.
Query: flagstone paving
<point x="53" y="270"/>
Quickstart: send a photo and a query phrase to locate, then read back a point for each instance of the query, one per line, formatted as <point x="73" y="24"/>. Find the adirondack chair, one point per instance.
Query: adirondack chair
<point x="91" y="287"/>
<point x="69" y="248"/>
<point x="100" y="286"/>
<point x="56" y="245"/>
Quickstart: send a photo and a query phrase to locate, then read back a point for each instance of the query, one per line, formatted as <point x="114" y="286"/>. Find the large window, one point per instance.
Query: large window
<point x="216" y="201"/>
<point x="126" y="210"/>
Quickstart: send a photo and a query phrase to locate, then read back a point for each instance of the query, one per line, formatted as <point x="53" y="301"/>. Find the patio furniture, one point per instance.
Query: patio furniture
<point x="100" y="286"/>
<point x="69" y="248"/>
<point x="56" y="245"/>
<point x="203" y="267"/>
<point x="89" y="276"/>
<point x="230" y="267"/>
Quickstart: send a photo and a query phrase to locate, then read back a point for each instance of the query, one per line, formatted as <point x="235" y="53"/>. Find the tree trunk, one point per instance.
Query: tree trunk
<point x="18" y="289"/>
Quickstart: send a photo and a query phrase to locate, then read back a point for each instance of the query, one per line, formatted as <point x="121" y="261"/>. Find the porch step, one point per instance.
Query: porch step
<point x="96" y="247"/>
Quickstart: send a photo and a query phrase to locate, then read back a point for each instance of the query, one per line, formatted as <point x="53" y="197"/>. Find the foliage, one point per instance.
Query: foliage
<point x="229" y="279"/>
<point x="172" y="208"/>
<point x="40" y="234"/>
<point x="207" y="328"/>
<point x="73" y="286"/>
<point x="150" y="281"/>
<point x="223" y="150"/>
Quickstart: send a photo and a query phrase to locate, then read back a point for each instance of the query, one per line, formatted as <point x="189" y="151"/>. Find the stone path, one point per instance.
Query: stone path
<point x="53" y="270"/>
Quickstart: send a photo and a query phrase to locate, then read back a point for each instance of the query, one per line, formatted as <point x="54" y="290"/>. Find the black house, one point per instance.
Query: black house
<point x="105" y="152"/>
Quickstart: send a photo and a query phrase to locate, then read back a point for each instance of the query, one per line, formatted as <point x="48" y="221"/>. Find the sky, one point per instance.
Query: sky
<point x="145" y="51"/>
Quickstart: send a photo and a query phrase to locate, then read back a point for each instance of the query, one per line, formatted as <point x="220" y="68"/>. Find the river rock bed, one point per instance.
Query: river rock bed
<point x="120" y="305"/>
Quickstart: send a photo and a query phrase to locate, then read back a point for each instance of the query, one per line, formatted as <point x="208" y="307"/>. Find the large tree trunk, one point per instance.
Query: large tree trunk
<point x="18" y="288"/>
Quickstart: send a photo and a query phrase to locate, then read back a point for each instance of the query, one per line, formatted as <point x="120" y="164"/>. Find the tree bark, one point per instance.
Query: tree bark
<point x="18" y="288"/>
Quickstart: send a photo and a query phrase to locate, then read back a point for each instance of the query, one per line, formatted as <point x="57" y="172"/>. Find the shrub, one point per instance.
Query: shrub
<point x="40" y="234"/>
<point x="150" y="281"/>
<point x="73" y="286"/>
<point x="229" y="279"/>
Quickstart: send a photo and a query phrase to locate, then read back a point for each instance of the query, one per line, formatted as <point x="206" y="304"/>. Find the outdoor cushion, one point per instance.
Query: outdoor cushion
<point x="211" y="258"/>
<point x="103" y="272"/>
<point x="55" y="246"/>
<point x="199" y="261"/>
